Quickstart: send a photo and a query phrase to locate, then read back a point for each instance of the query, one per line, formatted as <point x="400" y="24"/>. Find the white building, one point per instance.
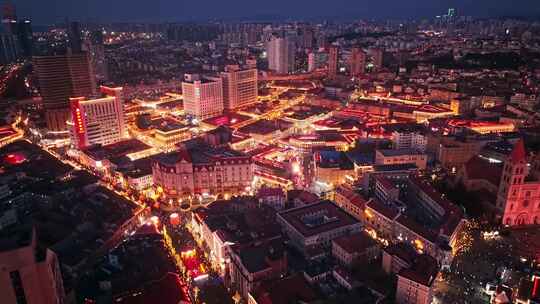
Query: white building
<point x="239" y="87"/>
<point x="407" y="136"/>
<point x="281" y="52"/>
<point x="98" y="121"/>
<point x="203" y="97"/>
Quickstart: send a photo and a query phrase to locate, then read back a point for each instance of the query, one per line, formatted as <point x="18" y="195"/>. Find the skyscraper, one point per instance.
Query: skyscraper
<point x="281" y="55"/>
<point x="74" y="38"/>
<point x="239" y="87"/>
<point x="25" y="39"/>
<point x="203" y="97"/>
<point x="377" y="55"/>
<point x="60" y="78"/>
<point x="98" y="121"/>
<point x="9" y="51"/>
<point x="332" y="62"/>
<point x="307" y="37"/>
<point x="96" y="50"/>
<point x="357" y="62"/>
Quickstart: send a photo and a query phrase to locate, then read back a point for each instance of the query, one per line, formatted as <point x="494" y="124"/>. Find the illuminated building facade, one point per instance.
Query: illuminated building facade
<point x="407" y="136"/>
<point x="333" y="167"/>
<point x="98" y="121"/>
<point x="401" y="156"/>
<point x="239" y="87"/>
<point x="203" y="170"/>
<point x="203" y="97"/>
<point x="30" y="274"/>
<point x="350" y="201"/>
<point x="519" y="191"/>
<point x="60" y="78"/>
<point x="391" y="222"/>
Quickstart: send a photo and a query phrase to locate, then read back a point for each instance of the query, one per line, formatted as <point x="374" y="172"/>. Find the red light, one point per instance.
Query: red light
<point x="15" y="158"/>
<point x="536" y="288"/>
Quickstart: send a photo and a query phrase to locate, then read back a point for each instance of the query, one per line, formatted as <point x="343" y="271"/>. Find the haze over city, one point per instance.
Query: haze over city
<point x="51" y="11"/>
<point x="269" y="152"/>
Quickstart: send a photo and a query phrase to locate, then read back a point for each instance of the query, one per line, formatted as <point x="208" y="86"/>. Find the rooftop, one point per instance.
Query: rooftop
<point x="398" y="152"/>
<point x="481" y="168"/>
<point x="118" y="149"/>
<point x="334" y="159"/>
<point x="256" y="256"/>
<point x="423" y="271"/>
<point x="227" y="119"/>
<point x="317" y="218"/>
<point x="285" y="291"/>
<point x="355" y="243"/>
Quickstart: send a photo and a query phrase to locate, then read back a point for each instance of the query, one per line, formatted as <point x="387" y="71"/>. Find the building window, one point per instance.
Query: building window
<point x="18" y="288"/>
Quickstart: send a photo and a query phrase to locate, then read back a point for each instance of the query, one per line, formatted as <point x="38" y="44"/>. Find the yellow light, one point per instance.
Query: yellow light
<point x="368" y="213"/>
<point x="419" y="245"/>
<point x="296" y="168"/>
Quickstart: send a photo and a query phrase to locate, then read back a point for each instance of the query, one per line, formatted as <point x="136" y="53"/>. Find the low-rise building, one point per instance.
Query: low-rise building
<point x="203" y="169"/>
<point x="287" y="290"/>
<point x="351" y="249"/>
<point x="401" y="156"/>
<point x="415" y="283"/>
<point x="350" y="201"/>
<point x="273" y="197"/>
<point x="407" y="136"/>
<point x="333" y="167"/>
<point x="254" y="263"/>
<point x="316" y="225"/>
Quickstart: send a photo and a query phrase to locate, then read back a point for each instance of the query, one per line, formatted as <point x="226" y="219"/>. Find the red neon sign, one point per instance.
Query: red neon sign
<point x="77" y="118"/>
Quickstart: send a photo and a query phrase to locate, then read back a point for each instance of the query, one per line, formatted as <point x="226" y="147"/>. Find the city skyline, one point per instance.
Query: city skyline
<point x="54" y="11"/>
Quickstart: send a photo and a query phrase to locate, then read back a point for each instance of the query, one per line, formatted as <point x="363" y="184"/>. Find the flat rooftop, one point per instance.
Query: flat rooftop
<point x="260" y="127"/>
<point x="167" y="125"/>
<point x="317" y="218"/>
<point x="398" y="152"/>
<point x="118" y="149"/>
<point x="227" y="119"/>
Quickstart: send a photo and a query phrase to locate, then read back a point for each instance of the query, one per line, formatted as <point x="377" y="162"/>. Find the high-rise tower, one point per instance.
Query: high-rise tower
<point x="281" y="55"/>
<point x="60" y="78"/>
<point x="357" y="62"/>
<point x="332" y="62"/>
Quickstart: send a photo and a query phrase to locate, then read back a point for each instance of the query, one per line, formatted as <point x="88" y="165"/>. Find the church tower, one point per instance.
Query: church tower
<point x="512" y="180"/>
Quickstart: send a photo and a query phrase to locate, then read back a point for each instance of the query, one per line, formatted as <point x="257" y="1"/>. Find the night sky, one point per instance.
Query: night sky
<point x="49" y="11"/>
